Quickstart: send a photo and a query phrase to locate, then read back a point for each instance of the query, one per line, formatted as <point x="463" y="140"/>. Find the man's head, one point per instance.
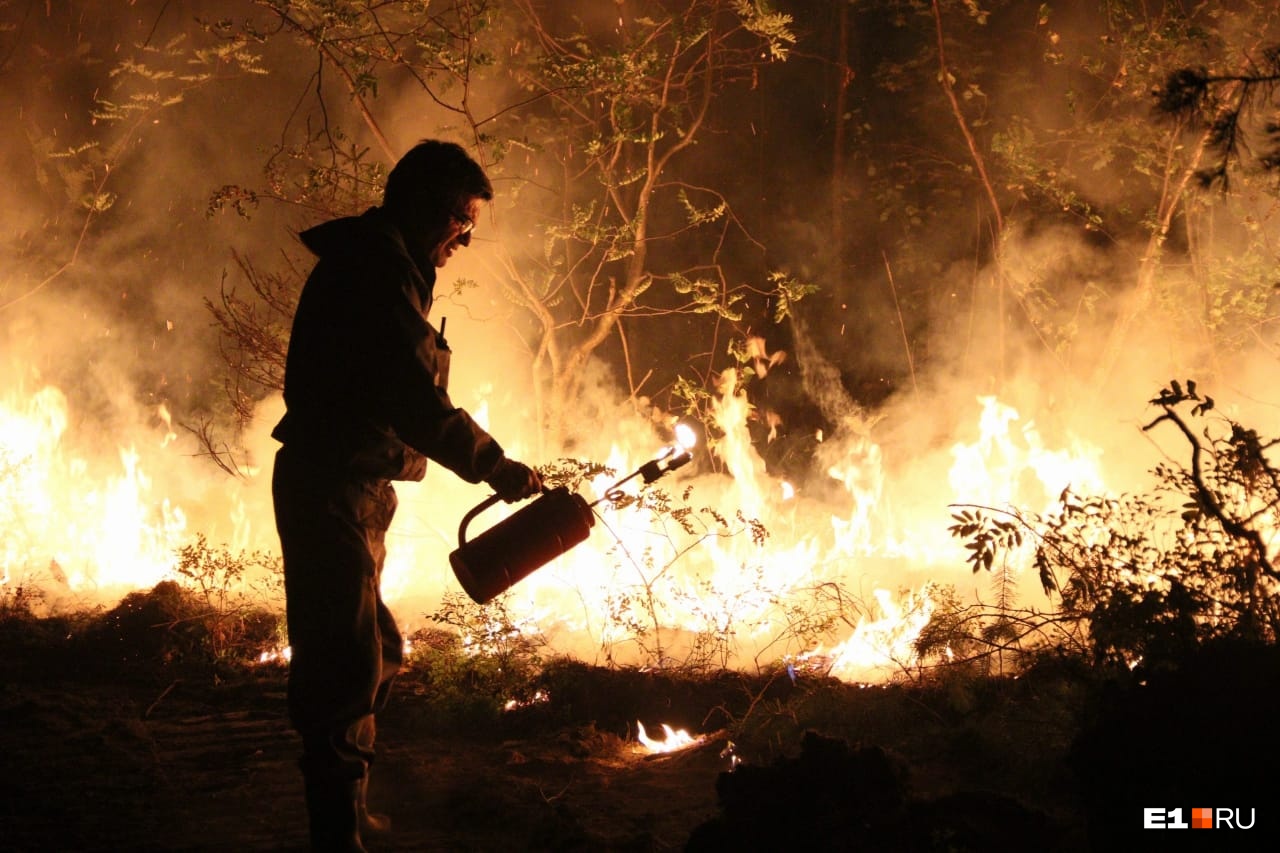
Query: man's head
<point x="434" y="193"/>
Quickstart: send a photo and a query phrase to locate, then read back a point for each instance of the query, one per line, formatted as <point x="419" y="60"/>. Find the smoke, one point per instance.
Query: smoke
<point x="108" y="259"/>
<point x="891" y="370"/>
<point x="1061" y="318"/>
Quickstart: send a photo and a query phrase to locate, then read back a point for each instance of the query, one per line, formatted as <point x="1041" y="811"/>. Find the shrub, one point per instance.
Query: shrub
<point x="1156" y="576"/>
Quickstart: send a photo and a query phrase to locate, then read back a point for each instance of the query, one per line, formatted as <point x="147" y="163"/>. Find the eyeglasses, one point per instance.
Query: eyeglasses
<point x="468" y="224"/>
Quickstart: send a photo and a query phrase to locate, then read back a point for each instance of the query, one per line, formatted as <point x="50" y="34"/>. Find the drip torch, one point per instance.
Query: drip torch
<point x="555" y="522"/>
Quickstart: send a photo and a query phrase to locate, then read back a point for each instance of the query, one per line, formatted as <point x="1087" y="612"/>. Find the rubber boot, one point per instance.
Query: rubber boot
<point x="371" y="823"/>
<point x="333" y="807"/>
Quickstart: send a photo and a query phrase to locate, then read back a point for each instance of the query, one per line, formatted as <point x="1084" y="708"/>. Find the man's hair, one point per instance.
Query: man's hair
<point x="434" y="176"/>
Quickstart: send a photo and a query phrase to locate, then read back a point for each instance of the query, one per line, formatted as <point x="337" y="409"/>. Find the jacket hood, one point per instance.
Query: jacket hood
<point x="372" y="234"/>
<point x="372" y="229"/>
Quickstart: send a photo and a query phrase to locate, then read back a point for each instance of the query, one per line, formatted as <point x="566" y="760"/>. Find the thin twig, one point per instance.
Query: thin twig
<point x="147" y="713"/>
<point x="902" y="326"/>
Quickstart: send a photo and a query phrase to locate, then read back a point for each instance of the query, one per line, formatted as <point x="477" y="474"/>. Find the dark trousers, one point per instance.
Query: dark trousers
<point x="346" y="649"/>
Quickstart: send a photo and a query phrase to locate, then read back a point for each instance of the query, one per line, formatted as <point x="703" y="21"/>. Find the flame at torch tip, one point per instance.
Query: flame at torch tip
<point x="686" y="437"/>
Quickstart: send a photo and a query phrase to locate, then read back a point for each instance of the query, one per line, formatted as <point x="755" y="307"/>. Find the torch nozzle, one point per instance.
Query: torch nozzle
<point x="675" y="457"/>
<point x="655" y="468"/>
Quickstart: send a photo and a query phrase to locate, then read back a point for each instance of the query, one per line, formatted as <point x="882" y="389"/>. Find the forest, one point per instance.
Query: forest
<point x="971" y="304"/>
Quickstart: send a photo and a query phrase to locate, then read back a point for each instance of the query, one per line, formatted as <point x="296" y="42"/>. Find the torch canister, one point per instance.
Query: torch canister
<point x="520" y="544"/>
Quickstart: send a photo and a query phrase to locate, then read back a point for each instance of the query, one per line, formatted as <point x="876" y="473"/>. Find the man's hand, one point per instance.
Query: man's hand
<point x="514" y="481"/>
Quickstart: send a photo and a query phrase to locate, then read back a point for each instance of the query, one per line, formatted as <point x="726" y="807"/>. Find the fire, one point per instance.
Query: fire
<point x="673" y="739"/>
<point x="70" y="525"/>
<point x="686" y="437"/>
<point x="539" y="697"/>
<point x="884" y="642"/>
<point x="283" y="654"/>
<point x="741" y="583"/>
<point x="991" y="470"/>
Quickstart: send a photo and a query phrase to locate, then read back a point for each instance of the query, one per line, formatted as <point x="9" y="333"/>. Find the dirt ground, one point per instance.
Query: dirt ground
<point x="106" y="749"/>
<point x="140" y="757"/>
<point x="95" y="766"/>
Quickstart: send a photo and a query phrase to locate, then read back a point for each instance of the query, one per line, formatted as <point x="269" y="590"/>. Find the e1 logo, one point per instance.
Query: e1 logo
<point x="1200" y="819"/>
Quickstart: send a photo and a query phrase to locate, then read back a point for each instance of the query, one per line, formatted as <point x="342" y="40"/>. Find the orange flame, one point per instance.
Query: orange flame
<point x="643" y="589"/>
<point x="673" y="739"/>
<point x="67" y="522"/>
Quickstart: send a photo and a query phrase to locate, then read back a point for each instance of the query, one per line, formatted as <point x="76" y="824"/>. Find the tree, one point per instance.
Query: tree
<point x="972" y="125"/>
<point x="1228" y="105"/>
<point x="591" y="127"/>
<point x="1131" y="182"/>
<point x="623" y="108"/>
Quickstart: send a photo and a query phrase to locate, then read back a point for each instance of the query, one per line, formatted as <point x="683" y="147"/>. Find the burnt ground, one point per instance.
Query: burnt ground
<point x="114" y="749"/>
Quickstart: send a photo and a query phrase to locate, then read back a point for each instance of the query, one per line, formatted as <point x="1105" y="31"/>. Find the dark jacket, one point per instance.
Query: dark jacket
<point x="360" y="377"/>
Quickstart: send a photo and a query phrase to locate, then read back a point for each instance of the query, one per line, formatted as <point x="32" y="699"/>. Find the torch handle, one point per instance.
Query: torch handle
<point x="472" y="513"/>
<point x="476" y="510"/>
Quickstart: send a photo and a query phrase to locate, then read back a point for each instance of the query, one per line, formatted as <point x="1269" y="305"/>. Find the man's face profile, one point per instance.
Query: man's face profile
<point x="457" y="232"/>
